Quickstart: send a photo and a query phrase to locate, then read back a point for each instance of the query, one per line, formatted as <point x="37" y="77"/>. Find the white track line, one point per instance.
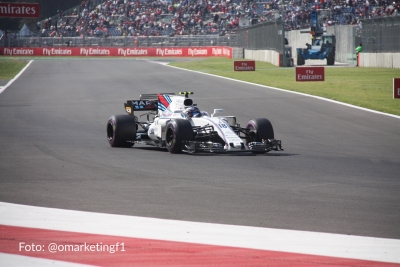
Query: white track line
<point x="312" y="243"/>
<point x="324" y="244"/>
<point x="293" y="92"/>
<point x="16" y="77"/>
<point x="274" y="88"/>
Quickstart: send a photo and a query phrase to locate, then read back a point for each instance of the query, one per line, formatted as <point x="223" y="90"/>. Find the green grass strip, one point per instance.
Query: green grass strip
<point x="10" y="68"/>
<point x="370" y="88"/>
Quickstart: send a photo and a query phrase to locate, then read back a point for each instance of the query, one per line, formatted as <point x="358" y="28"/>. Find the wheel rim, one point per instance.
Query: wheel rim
<point x="169" y="137"/>
<point x="252" y="134"/>
<point x="110" y="132"/>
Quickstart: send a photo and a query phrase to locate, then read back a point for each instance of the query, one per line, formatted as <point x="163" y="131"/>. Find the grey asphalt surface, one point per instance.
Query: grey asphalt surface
<point x="3" y="82"/>
<point x="339" y="173"/>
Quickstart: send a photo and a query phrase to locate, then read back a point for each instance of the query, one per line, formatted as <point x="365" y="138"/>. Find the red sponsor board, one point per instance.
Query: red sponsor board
<point x="20" y="10"/>
<point x="310" y="74"/>
<point x="244" y="65"/>
<point x="214" y="51"/>
<point x="396" y="87"/>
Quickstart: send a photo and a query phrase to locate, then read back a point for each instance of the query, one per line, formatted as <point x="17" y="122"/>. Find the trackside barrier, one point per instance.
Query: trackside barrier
<point x="380" y="60"/>
<point x="396" y="88"/>
<point x="263" y="55"/>
<point x="244" y="65"/>
<point x="310" y="74"/>
<point x="214" y="51"/>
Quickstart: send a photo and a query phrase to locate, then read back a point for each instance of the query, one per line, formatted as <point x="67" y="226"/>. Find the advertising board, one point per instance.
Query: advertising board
<point x="310" y="74"/>
<point x="215" y="51"/>
<point x="20" y="10"/>
<point x="244" y="65"/>
<point x="396" y="87"/>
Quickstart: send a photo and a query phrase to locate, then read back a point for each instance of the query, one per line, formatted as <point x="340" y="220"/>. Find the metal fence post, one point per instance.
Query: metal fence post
<point x="283" y="63"/>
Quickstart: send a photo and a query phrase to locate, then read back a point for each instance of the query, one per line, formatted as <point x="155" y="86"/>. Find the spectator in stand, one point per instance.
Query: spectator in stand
<point x="38" y="25"/>
<point x="182" y="17"/>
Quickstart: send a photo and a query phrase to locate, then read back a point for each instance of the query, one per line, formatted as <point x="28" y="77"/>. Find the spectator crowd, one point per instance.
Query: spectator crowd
<point x="200" y="17"/>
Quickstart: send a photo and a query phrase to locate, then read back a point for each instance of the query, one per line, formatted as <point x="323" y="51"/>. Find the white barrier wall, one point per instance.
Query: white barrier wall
<point x="262" y="55"/>
<point x="373" y="60"/>
<point x="237" y="52"/>
<point x="396" y="60"/>
<point x="297" y="39"/>
<point x="345" y="49"/>
<point x="380" y="60"/>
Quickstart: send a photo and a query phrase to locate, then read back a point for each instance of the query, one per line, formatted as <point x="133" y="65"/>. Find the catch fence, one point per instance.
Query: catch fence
<point x="381" y="35"/>
<point x="120" y="41"/>
<point x="262" y="36"/>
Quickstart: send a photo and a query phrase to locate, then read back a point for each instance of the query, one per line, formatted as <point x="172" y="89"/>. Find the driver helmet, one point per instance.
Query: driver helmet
<point x="193" y="112"/>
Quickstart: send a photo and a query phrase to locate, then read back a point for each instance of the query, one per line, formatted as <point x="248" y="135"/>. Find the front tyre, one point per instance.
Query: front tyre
<point x="259" y="129"/>
<point x="120" y="130"/>
<point x="178" y="130"/>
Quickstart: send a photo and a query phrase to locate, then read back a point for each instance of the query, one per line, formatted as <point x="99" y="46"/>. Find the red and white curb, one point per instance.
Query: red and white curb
<point x="36" y="236"/>
<point x="56" y="237"/>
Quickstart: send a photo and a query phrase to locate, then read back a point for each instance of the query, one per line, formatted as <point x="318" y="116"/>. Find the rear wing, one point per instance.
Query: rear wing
<point x="146" y="102"/>
<point x="153" y="96"/>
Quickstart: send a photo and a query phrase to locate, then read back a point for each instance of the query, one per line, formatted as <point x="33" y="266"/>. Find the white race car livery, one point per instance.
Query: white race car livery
<point x="175" y="122"/>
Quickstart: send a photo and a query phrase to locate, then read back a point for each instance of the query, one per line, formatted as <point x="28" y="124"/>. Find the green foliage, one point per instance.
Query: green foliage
<point x="365" y="87"/>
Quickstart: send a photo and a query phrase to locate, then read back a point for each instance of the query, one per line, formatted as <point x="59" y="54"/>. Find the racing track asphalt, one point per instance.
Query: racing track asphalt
<point x="339" y="172"/>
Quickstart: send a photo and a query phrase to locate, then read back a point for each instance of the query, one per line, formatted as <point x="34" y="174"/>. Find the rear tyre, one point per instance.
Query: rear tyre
<point x="260" y="129"/>
<point x="178" y="130"/>
<point x="120" y="130"/>
<point x="330" y="60"/>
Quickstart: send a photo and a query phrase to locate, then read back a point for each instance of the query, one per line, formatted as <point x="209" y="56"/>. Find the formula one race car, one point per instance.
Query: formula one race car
<point x="175" y="123"/>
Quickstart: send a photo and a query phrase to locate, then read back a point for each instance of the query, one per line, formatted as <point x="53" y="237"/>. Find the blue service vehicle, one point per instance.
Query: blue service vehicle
<point x="323" y="46"/>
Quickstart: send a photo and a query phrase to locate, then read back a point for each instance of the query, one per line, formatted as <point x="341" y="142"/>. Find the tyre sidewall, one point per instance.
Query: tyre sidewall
<point x="299" y="60"/>
<point x="171" y="126"/>
<point x="263" y="128"/>
<point x="181" y="131"/>
<point x="331" y="57"/>
<point x="123" y="130"/>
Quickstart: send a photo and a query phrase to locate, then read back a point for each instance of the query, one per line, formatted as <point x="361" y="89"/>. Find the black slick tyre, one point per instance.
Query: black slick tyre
<point x="330" y="60"/>
<point x="120" y="130"/>
<point x="300" y="60"/>
<point x="260" y="129"/>
<point x="177" y="130"/>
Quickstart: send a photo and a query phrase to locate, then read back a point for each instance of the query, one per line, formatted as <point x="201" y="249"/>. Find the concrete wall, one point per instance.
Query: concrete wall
<point x="380" y="60"/>
<point x="345" y="49"/>
<point x="263" y="55"/>
<point x="345" y="43"/>
<point x="237" y="52"/>
<point x="297" y="39"/>
<point x="396" y="60"/>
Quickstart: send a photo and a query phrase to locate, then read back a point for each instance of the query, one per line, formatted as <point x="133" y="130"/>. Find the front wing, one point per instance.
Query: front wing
<point x="208" y="146"/>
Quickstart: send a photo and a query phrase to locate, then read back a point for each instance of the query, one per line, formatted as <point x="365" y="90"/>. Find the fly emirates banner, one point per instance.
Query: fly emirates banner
<point x="213" y="51"/>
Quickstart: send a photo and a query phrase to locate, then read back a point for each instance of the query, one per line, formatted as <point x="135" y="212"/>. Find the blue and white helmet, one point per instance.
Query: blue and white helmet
<point x="193" y="112"/>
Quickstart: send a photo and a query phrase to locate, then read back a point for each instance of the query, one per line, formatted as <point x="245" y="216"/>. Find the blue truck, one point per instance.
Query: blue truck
<point x="323" y="46"/>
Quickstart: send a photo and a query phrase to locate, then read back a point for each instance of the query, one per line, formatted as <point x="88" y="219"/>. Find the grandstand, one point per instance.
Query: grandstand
<point x="99" y="18"/>
<point x="167" y="22"/>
